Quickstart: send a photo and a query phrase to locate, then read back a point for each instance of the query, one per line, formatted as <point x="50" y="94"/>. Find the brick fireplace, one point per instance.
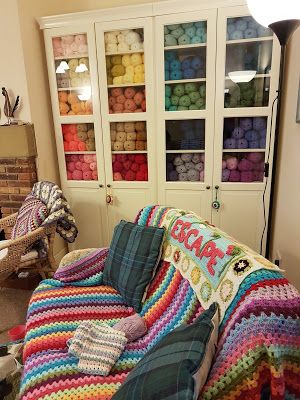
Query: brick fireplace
<point x="17" y="167"/>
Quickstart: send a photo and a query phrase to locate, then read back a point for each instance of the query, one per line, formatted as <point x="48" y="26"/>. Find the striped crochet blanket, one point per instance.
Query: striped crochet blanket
<point x="258" y="353"/>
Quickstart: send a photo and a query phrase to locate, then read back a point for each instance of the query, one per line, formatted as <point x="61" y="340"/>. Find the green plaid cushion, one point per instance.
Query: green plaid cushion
<point x="133" y="257"/>
<point x="177" y="367"/>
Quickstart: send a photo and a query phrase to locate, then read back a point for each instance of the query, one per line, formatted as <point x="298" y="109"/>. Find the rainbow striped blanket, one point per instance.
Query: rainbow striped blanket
<point x="258" y="355"/>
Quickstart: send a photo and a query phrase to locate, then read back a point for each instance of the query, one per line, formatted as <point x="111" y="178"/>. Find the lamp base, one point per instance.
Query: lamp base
<point x="284" y="29"/>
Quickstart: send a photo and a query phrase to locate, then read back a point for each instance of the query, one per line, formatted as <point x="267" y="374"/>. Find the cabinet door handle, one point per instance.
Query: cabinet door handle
<point x="207" y="187"/>
<point x="100" y="186"/>
<point x="109" y="199"/>
<point x="216" y="204"/>
<point x="108" y="185"/>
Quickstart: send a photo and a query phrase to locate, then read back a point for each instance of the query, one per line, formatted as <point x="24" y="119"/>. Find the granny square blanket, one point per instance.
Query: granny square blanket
<point x="258" y="354"/>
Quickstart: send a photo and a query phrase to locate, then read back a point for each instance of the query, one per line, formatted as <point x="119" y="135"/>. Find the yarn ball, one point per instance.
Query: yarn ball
<point x="245" y="165"/>
<point x="255" y="157"/>
<point x="246" y="176"/>
<point x="140" y="159"/>
<point x="183" y="40"/>
<point x="251" y="135"/>
<point x="177" y="161"/>
<point x="170" y="40"/>
<point x="173" y="176"/>
<point x="262" y="143"/>
<point x="117" y="166"/>
<point x="232" y="163"/>
<point x="258" y="176"/>
<point x="199" y="166"/>
<point x="238" y="133"/>
<point x="117" y="176"/>
<point x="129" y="92"/>
<point x="196" y="158"/>
<point x="188" y="73"/>
<point x="225" y="175"/>
<point x="246" y="124"/>
<point x="223" y="164"/>
<point x="235" y="176"/>
<point x="181" y="168"/>
<point x="230" y="143"/>
<point x="130" y="176"/>
<point x="179" y="90"/>
<point x="254" y="144"/>
<point x="93" y="166"/>
<point x="95" y="175"/>
<point x="186" y="157"/>
<point x="242" y="144"/>
<point x="182" y="176"/>
<point x="193" y="175"/>
<point x="259" y="123"/>
<point x="77" y="175"/>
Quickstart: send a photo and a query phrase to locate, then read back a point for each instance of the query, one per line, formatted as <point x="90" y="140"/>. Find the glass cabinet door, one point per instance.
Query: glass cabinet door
<point x="248" y="63"/>
<point x="73" y="74"/>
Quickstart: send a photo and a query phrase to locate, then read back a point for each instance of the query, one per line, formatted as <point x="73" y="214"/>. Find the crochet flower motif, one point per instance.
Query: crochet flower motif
<point x="241" y="266"/>
<point x="226" y="290"/>
<point x="195" y="275"/>
<point x="205" y="291"/>
<point x="185" y="264"/>
<point x="233" y="250"/>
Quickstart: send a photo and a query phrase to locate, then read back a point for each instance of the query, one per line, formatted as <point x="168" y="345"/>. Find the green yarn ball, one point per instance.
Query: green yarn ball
<point x="182" y="108"/>
<point x="193" y="107"/>
<point x="185" y="101"/>
<point x="194" y="96"/>
<point x="168" y="91"/>
<point x="196" y="39"/>
<point x="177" y="32"/>
<point x="174" y="100"/>
<point x="167" y="102"/>
<point x="174" y="26"/>
<point x="170" y="40"/>
<point x="187" y="25"/>
<point x="173" y="108"/>
<point x="202" y="90"/>
<point x="190" y="87"/>
<point x="178" y="90"/>
<point x="183" y="40"/>
<point x="200" y="103"/>
<point x="166" y="30"/>
<point x="191" y="31"/>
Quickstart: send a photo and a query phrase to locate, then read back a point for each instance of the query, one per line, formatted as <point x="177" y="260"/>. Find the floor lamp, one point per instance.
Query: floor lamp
<point x="283" y="17"/>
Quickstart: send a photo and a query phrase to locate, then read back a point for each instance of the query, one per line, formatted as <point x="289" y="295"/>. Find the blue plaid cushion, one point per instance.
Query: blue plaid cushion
<point x="133" y="257"/>
<point x="177" y="366"/>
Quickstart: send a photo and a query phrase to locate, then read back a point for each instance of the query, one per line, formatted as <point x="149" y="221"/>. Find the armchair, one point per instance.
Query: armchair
<point x="13" y="255"/>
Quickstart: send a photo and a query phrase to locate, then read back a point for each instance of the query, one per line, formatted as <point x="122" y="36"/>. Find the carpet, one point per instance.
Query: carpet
<point x="13" y="309"/>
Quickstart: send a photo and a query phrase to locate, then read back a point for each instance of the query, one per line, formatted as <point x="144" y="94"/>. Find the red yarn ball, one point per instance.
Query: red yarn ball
<point x="140" y="158"/>
<point x="78" y="165"/>
<point x="130" y="105"/>
<point x="129" y="92"/>
<point x="71" y="166"/>
<point x="85" y="167"/>
<point x="87" y="175"/>
<point x="66" y="146"/>
<point x="95" y="175"/>
<point x="111" y="101"/>
<point x="69" y="137"/>
<point x="121" y="157"/>
<point x="76" y="138"/>
<point x="134" y="167"/>
<point x="74" y="157"/>
<point x="138" y="98"/>
<point x="121" y="99"/>
<point x="140" y="176"/>
<point x="73" y="146"/>
<point x="127" y="164"/>
<point x="69" y="128"/>
<point x="144" y="167"/>
<point x="69" y="176"/>
<point x="118" y="108"/>
<point x="81" y="146"/>
<point x="117" y="166"/>
<point x="117" y="176"/>
<point x="130" y="176"/>
<point x="77" y="175"/>
<point x="116" y="92"/>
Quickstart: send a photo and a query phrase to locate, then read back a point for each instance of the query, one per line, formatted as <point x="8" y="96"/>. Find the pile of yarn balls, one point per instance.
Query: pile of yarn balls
<point x="70" y="78"/>
<point x="121" y="41"/>
<point x="185" y="135"/>
<point x="130" y="167"/>
<point x="70" y="45"/>
<point x="185" y="167"/>
<point x="125" y="69"/>
<point x="78" y="137"/>
<point x="249" y="134"/>
<point x="245" y="28"/>
<point x="128" y="100"/>
<point x="244" y="94"/>
<point x="249" y="168"/>
<point x="187" y="68"/>
<point x="185" y="96"/>
<point x="128" y="136"/>
<point x="183" y="34"/>
<point x="81" y="167"/>
<point x="69" y="104"/>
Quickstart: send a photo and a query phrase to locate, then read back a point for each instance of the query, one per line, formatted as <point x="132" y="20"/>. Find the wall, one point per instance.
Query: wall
<point x="12" y="68"/>
<point x="286" y="234"/>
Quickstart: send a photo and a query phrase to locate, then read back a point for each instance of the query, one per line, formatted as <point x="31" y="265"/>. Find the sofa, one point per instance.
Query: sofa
<point x="258" y="352"/>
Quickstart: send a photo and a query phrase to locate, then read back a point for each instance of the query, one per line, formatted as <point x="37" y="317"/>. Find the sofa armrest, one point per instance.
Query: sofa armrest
<point x="8" y="221"/>
<point x="82" y="267"/>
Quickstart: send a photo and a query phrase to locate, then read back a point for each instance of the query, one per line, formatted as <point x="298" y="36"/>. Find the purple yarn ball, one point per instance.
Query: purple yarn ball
<point x="230" y="144"/>
<point x="225" y="175"/>
<point x="242" y="144"/>
<point x="238" y="133"/>
<point x="234" y="176"/>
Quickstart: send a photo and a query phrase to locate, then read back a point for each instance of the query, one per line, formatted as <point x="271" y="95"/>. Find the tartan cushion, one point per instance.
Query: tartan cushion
<point x="31" y="215"/>
<point x="132" y="260"/>
<point x="177" y="367"/>
<point x="85" y="266"/>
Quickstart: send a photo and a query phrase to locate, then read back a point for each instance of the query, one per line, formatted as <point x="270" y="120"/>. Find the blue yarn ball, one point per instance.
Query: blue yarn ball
<point x="250" y="33"/>
<point x="173" y="176"/>
<point x="167" y="75"/>
<point x="189" y="73"/>
<point x="231" y="27"/>
<point x="238" y="133"/>
<point x="186" y="63"/>
<point x="262" y="143"/>
<point x="172" y="108"/>
<point x="175" y="75"/>
<point x="197" y="39"/>
<point x="168" y="91"/>
<point x="241" y="24"/>
<point x="237" y="35"/>
<point x="191" y="31"/>
<point x="242" y="144"/>
<point x="200" y="24"/>
<point x="230" y="144"/>
<point x="167" y="102"/>
<point x="175" y="65"/>
<point x="167" y="64"/>
<point x="254" y="144"/>
<point x="170" y="55"/>
<point x="197" y="62"/>
<point x="251" y="136"/>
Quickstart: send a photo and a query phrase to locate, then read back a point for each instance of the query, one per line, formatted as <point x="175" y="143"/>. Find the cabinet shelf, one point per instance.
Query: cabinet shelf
<point x="126" y="85"/>
<point x="184" y="151"/>
<point x="130" y="152"/>
<point x="244" y="150"/>
<point x="116" y="53"/>
<point x="251" y="40"/>
<point x="80" y="152"/>
<point x="185" y="80"/>
<point x="185" y="46"/>
<point x="72" y="88"/>
<point x="73" y="56"/>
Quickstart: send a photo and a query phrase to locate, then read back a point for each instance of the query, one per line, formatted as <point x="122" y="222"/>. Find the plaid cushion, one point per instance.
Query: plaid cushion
<point x="31" y="215"/>
<point x="177" y="367"/>
<point x="133" y="256"/>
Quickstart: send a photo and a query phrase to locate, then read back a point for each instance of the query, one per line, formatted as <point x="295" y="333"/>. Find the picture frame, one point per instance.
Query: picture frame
<point x="298" y="106"/>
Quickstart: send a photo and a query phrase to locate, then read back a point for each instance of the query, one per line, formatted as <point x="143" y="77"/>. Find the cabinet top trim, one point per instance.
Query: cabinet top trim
<point x="133" y="11"/>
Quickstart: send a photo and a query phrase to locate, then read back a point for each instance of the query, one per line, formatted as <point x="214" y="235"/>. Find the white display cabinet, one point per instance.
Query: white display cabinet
<point x="159" y="107"/>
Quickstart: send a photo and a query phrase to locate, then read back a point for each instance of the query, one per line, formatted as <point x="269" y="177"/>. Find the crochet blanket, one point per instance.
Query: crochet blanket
<point x="58" y="209"/>
<point x="259" y="338"/>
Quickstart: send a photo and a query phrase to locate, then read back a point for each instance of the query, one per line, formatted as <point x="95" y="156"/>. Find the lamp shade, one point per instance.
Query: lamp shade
<point x="266" y="12"/>
<point x="241" y="76"/>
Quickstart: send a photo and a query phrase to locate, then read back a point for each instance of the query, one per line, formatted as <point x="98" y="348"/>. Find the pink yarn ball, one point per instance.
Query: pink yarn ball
<point x="138" y="98"/>
<point x="259" y="166"/>
<point x="245" y="165"/>
<point x="56" y="41"/>
<point x="255" y="157"/>
<point x="85" y="167"/>
<point x="74" y="157"/>
<point x="87" y="158"/>
<point x="121" y="99"/>
<point x="130" y="105"/>
<point x="223" y="164"/>
<point x="69" y="176"/>
<point x="71" y="166"/>
<point x="113" y="158"/>
<point x="95" y="175"/>
<point x="235" y="176"/>
<point x="116" y="92"/>
<point x="87" y="175"/>
<point x="258" y="176"/>
<point x="77" y="175"/>
<point x="118" y="108"/>
<point x="111" y="101"/>
<point x="93" y="166"/>
<point x="129" y="92"/>
<point x="246" y="176"/>
<point x="232" y="163"/>
<point x="78" y="165"/>
<point x="81" y="157"/>
<point x="117" y="176"/>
